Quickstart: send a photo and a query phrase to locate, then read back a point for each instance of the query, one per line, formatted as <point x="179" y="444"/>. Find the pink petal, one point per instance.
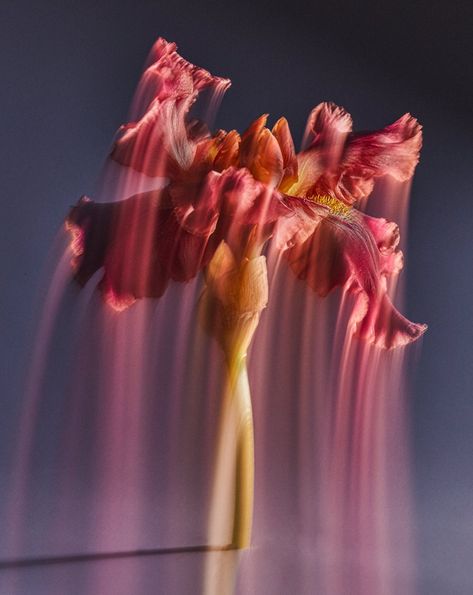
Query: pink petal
<point x="344" y="252"/>
<point x="385" y="327"/>
<point x="160" y="141"/>
<point x="324" y="141"/>
<point x="393" y="150"/>
<point x="386" y="235"/>
<point x="297" y="223"/>
<point x="345" y="165"/>
<point x="327" y="125"/>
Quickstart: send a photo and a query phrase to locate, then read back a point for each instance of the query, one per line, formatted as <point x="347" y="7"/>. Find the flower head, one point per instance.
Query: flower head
<point x="228" y="194"/>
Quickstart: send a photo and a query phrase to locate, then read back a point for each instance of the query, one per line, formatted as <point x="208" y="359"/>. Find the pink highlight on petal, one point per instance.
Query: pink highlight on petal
<point x="327" y="126"/>
<point x="117" y="302"/>
<point x="77" y="243"/>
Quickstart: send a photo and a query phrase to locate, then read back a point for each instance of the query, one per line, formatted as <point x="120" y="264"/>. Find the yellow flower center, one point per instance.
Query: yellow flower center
<point x="336" y="207"/>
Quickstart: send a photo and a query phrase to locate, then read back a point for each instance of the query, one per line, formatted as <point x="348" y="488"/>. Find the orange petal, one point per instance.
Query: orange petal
<point x="267" y="164"/>
<point x="228" y="152"/>
<point x="283" y="135"/>
<point x="249" y="141"/>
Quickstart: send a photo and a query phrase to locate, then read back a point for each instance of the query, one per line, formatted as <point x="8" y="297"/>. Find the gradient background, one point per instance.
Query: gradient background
<point x="68" y="71"/>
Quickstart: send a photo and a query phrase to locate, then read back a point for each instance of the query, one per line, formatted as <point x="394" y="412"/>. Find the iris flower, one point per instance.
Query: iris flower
<point x="225" y="196"/>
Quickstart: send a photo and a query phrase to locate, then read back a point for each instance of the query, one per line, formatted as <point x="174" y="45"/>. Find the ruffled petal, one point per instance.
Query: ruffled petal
<point x="326" y="132"/>
<point x="336" y="250"/>
<point x="296" y="223"/>
<point x="343" y="164"/>
<point x="344" y="252"/>
<point x="169" y="75"/>
<point x="157" y="145"/>
<point x="386" y="235"/>
<point x="385" y="327"/>
<point x="159" y="142"/>
<point x="328" y="126"/>
<point x="392" y="151"/>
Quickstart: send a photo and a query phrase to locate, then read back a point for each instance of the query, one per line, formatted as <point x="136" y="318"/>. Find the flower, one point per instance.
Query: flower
<point x="244" y="190"/>
<point x="220" y="199"/>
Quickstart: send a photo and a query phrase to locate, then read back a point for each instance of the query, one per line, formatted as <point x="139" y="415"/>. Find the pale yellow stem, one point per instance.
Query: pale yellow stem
<point x="231" y="511"/>
<point x="244" y="467"/>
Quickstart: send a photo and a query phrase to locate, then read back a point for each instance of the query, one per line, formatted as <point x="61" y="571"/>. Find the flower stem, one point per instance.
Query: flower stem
<point x="231" y="508"/>
<point x="244" y="464"/>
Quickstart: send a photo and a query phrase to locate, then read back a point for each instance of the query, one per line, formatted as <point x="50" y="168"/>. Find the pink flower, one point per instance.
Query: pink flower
<point x="224" y="187"/>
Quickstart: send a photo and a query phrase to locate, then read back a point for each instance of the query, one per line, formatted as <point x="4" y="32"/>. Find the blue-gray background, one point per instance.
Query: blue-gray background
<point x="68" y="71"/>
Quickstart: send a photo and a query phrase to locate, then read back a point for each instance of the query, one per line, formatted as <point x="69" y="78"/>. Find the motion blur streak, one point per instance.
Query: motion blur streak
<point x="212" y="280"/>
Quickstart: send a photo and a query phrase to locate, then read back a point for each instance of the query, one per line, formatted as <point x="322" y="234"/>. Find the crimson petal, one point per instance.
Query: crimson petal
<point x="149" y="239"/>
<point x="343" y="252"/>
<point x="140" y="244"/>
